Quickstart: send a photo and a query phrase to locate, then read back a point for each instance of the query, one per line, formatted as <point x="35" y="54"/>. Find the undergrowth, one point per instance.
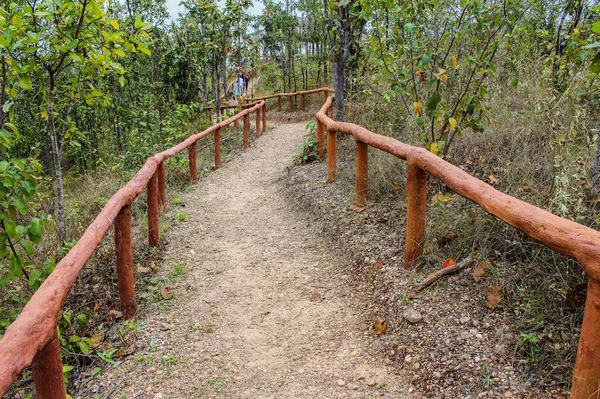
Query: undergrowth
<point x="533" y="148"/>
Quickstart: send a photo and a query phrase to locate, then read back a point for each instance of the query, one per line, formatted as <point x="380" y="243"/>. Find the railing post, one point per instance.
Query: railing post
<point x="125" y="263"/>
<point x="47" y="371"/>
<point x="236" y="124"/>
<point x="586" y="376"/>
<point x="320" y="139"/>
<point x="279" y="103"/>
<point x="161" y="186"/>
<point x="302" y="105"/>
<point x="264" y="117"/>
<point x="258" y="122"/>
<point x="331" y="155"/>
<point x="192" y="162"/>
<point x="217" y="148"/>
<point x="416" y="209"/>
<point x="291" y="102"/>
<point x="246" y="130"/>
<point x="153" y="219"/>
<point x="362" y="172"/>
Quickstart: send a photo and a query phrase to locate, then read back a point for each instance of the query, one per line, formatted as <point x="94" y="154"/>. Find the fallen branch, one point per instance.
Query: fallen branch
<point x="433" y="277"/>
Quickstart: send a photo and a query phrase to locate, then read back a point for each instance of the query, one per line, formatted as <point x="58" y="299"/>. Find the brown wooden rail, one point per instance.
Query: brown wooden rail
<point x="290" y="97"/>
<point x="32" y="337"/>
<point x="564" y="236"/>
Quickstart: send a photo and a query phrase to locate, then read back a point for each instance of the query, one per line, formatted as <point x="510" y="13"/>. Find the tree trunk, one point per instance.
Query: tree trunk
<point x="56" y="156"/>
<point x="339" y="60"/>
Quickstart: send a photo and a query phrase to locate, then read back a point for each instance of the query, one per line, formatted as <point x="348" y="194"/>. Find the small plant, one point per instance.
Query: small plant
<point x="309" y="151"/>
<point x="179" y="268"/>
<point x="181" y="216"/>
<point x="107" y="356"/>
<point x="528" y="345"/>
<point x="170" y="359"/>
<point x="487" y="377"/>
<point x="177" y="201"/>
<point x="217" y="385"/>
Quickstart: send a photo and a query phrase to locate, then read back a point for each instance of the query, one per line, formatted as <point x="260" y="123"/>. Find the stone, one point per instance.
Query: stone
<point x="341" y="383"/>
<point x="159" y="396"/>
<point x="412" y="315"/>
<point x="465" y="320"/>
<point x="371" y="383"/>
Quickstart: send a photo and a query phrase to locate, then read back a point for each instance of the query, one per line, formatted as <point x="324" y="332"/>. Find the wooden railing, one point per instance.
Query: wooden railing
<point x="290" y="97"/>
<point x="32" y="339"/>
<point x="561" y="235"/>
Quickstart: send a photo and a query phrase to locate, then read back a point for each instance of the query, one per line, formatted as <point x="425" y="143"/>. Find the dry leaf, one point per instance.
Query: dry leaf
<point x="357" y="208"/>
<point x="479" y="271"/>
<point x="96" y="339"/>
<point x="448" y="263"/>
<point x="115" y="313"/>
<point x="493" y="180"/>
<point x="380" y="326"/>
<point x="493" y="296"/>
<point x="97" y="305"/>
<point x="447" y="239"/>
<point x="315" y="297"/>
<point x="377" y="266"/>
<point x="166" y="294"/>
<point x="440" y="198"/>
<point x="143" y="270"/>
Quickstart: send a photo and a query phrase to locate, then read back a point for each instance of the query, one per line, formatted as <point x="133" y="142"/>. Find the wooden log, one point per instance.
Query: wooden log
<point x="47" y="371"/>
<point x="362" y="173"/>
<point x="162" y="190"/>
<point x="153" y="213"/>
<point x="433" y="277"/>
<point x="246" y="131"/>
<point x="416" y="210"/>
<point x="320" y="139"/>
<point x="124" y="252"/>
<point x="217" y="148"/>
<point x="331" y="155"/>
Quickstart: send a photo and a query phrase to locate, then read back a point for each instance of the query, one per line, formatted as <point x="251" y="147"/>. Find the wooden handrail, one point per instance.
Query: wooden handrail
<point x="561" y="235"/>
<point x="31" y="338"/>
<point x="279" y="95"/>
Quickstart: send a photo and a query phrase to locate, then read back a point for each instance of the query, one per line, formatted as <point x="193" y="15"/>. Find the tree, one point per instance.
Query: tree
<point x="46" y="39"/>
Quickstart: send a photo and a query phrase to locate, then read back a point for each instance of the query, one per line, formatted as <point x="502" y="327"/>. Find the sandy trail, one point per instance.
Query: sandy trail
<point x="262" y="310"/>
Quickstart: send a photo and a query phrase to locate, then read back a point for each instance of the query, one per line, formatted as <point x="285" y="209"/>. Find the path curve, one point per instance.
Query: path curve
<point x="262" y="311"/>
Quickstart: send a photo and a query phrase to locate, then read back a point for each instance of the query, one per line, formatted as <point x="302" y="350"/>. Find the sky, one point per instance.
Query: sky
<point x="174" y="8"/>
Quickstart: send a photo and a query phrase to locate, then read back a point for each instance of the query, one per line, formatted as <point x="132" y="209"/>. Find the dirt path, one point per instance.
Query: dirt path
<point x="262" y="310"/>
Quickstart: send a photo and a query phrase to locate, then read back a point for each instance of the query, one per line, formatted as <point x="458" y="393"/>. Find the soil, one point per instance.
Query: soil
<point x="262" y="307"/>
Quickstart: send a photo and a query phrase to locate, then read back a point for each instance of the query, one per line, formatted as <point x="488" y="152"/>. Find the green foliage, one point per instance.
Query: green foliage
<point x="309" y="151"/>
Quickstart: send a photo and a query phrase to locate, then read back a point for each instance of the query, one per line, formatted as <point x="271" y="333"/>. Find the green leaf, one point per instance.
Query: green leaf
<point x="85" y="349"/>
<point x="35" y="230"/>
<point x="12" y="127"/>
<point x="10" y="228"/>
<point x="596" y="27"/>
<point x="595" y="65"/>
<point x="434" y="100"/>
<point x="25" y="83"/>
<point x="27" y="246"/>
<point x="20" y="204"/>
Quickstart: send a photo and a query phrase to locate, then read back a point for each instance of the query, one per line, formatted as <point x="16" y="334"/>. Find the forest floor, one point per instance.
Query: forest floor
<point x="258" y="308"/>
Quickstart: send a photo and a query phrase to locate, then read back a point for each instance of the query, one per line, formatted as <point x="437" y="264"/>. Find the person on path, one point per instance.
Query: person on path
<point x="247" y="82"/>
<point x="236" y="90"/>
<point x="241" y="84"/>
